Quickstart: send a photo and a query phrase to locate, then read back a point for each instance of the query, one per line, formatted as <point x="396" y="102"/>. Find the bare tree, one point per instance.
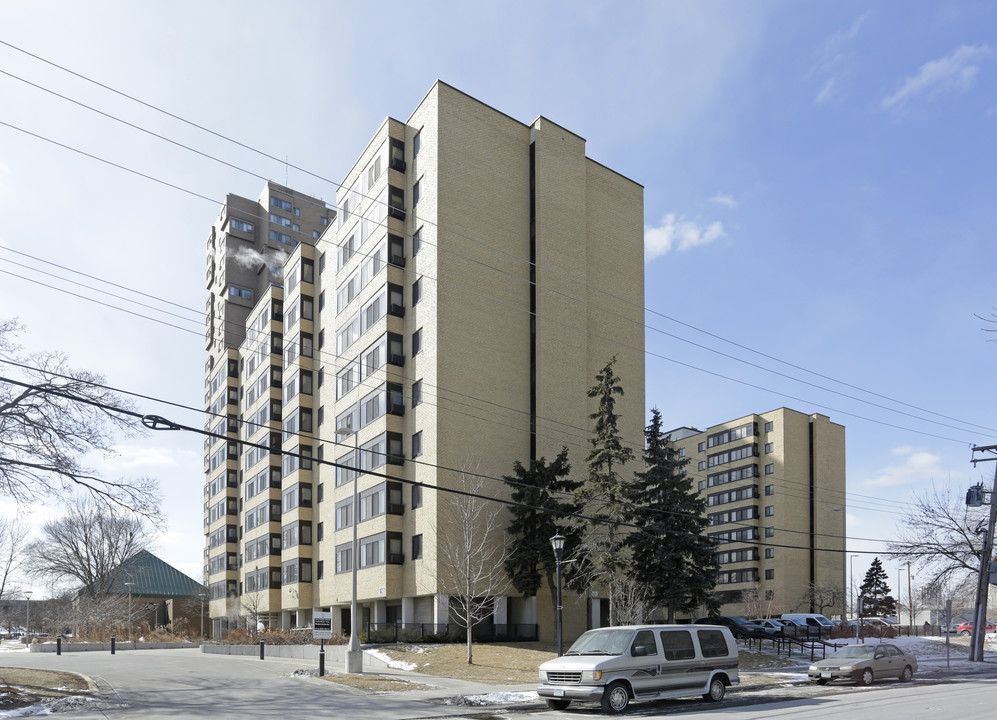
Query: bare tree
<point x="632" y="601"/>
<point x="757" y="603"/>
<point x="88" y="546"/>
<point x="471" y="553"/>
<point x="822" y="597"/>
<point x="938" y="536"/>
<point x="12" y="545"/>
<point x="51" y="416"/>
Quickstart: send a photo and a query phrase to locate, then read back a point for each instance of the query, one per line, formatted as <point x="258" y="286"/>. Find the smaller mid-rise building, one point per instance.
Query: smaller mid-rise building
<point x="774" y="483"/>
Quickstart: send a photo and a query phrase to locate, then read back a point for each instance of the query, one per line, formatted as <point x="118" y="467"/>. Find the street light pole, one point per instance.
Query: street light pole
<point x="354" y="655"/>
<point x="27" y="612"/>
<point x="129" y="586"/>
<point x="201" y="595"/>
<point x="851" y="582"/>
<point x="557" y="542"/>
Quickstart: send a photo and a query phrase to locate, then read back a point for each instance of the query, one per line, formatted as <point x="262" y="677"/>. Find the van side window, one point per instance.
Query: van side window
<point x="712" y="643"/>
<point x="644" y="639"/>
<point x="678" y="644"/>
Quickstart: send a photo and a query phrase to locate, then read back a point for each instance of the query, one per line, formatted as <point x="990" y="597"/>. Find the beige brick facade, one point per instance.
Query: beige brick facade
<point x="436" y="340"/>
<point x="775" y="484"/>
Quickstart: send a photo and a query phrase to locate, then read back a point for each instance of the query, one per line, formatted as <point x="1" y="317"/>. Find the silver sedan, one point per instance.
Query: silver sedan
<point x="864" y="664"/>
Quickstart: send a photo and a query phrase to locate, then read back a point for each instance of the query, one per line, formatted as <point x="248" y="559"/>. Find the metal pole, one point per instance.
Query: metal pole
<point x="354" y="655"/>
<point x="27" y="613"/>
<point x="560" y="610"/>
<point x="321" y="658"/>
<point x="980" y="624"/>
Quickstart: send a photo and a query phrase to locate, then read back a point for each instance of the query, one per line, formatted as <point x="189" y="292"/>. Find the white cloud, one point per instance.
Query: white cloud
<point x="679" y="234"/>
<point x="913" y="467"/>
<point x="724" y="199"/>
<point x="953" y="73"/>
<point x="833" y="57"/>
<point x="826" y="92"/>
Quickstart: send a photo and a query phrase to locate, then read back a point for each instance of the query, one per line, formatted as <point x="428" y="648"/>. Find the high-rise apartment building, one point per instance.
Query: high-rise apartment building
<point x="775" y="489"/>
<point x="448" y="317"/>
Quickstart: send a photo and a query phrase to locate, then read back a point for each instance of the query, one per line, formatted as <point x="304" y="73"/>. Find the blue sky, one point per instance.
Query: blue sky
<point x="819" y="182"/>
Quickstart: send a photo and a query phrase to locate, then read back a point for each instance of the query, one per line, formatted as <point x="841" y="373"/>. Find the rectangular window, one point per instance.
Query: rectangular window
<point x="416" y="393"/>
<point x="396" y="250"/>
<point x="242" y="225"/>
<point x="769" y="510"/>
<point x="344" y="558"/>
<point x="344" y="514"/>
<point x="416" y="292"/>
<point x="769" y="553"/>
<point x="280" y="238"/>
<point x="416" y="342"/>
<point x="416" y="242"/>
<point x="770" y="489"/>
<point x="416" y="547"/>
<point x="417" y="444"/>
<point x="768" y="448"/>
<point x="770" y="574"/>
<point x="372" y="551"/>
<point x="769" y="426"/>
<point x="416" y="496"/>
<point x="279" y="203"/>
<point x="770" y="532"/>
<point x="416" y="192"/>
<point x="416" y="143"/>
<point x="770" y="469"/>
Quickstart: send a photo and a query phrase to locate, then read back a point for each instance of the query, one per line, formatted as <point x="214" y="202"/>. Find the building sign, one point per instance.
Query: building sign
<point x="322" y="625"/>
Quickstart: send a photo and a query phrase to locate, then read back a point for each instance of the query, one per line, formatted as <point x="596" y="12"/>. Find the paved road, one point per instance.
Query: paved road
<point x="158" y="684"/>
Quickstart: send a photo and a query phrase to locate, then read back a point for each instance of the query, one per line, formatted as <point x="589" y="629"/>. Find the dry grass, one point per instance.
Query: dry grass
<point x="371" y="683"/>
<point x="492" y="664"/>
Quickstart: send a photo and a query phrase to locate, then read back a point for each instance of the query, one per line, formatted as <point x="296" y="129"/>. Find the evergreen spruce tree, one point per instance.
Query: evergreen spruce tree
<point x="671" y="557"/>
<point x="547" y="502"/>
<point x="604" y="492"/>
<point x="875" y="593"/>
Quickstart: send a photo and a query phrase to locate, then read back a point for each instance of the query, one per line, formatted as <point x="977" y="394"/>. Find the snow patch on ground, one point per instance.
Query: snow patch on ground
<point x="495" y="698"/>
<point x="29" y="711"/>
<point x="396" y="664"/>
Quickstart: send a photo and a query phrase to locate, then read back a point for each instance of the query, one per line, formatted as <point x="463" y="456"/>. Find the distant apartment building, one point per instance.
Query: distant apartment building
<point x="774" y="484"/>
<point x="448" y="315"/>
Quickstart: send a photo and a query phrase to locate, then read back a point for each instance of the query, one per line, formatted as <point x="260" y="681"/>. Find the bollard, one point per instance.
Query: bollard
<point x="261" y="649"/>
<point x="321" y="658"/>
<point x="58" y="645"/>
<point x="112" y="644"/>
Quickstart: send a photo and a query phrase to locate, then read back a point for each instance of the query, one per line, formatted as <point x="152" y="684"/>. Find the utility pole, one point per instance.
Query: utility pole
<point x="975" y="498"/>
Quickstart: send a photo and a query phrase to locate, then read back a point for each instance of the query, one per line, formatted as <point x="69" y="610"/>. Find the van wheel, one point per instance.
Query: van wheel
<point x="616" y="698"/>
<point x="716" y="691"/>
<point x="555" y="704"/>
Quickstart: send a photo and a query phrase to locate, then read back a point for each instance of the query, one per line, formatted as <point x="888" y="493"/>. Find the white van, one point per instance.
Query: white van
<point x="815" y="623"/>
<point x="615" y="665"/>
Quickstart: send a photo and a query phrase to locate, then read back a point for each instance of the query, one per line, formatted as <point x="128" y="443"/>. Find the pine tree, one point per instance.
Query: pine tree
<point x="671" y="557"/>
<point x="547" y="502"/>
<point x="875" y="593"/>
<point x="604" y="492"/>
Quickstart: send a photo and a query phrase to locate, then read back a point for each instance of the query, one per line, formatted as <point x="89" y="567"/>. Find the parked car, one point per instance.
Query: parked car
<point x="739" y="627"/>
<point x="966" y="629"/>
<point x="770" y="627"/>
<point x="615" y="665"/>
<point x="864" y="664"/>
<point x="814" y="623"/>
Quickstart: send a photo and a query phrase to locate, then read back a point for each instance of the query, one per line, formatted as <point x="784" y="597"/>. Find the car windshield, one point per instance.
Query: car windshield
<point x="855" y="651"/>
<point x="601" y="642"/>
